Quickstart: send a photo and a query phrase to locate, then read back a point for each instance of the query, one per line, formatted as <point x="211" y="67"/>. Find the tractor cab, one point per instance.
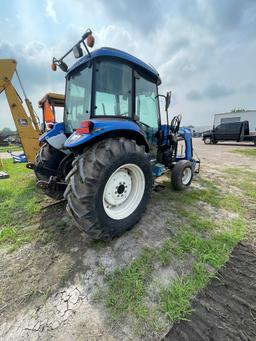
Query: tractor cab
<point x="104" y="157"/>
<point x="112" y="86"/>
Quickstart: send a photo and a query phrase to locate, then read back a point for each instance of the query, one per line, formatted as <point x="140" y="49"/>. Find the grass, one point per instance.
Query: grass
<point x="126" y="286"/>
<point x="175" y="300"/>
<point x="213" y="250"/>
<point x="12" y="148"/>
<point x="245" y="180"/>
<point x="19" y="203"/>
<point x="246" y="152"/>
<point x="208" y="192"/>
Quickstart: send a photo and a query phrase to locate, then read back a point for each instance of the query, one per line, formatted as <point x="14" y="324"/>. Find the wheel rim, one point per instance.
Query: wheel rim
<point x="123" y="191"/>
<point x="207" y="140"/>
<point x="186" y="175"/>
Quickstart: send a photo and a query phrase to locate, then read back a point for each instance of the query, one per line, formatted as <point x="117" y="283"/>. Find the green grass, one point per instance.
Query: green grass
<point x="19" y="203"/>
<point x="164" y="254"/>
<point x="215" y="249"/>
<point x="246" y="152"/>
<point x="175" y="300"/>
<point x="11" y="148"/>
<point x="126" y="286"/>
<point x="245" y="180"/>
<point x="249" y="188"/>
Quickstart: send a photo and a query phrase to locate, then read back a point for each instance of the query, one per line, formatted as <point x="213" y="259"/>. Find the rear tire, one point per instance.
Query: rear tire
<point x="182" y="175"/>
<point x="109" y="187"/>
<point x="47" y="162"/>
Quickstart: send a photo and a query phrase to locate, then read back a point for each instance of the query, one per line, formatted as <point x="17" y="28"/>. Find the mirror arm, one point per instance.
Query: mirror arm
<point x="84" y="36"/>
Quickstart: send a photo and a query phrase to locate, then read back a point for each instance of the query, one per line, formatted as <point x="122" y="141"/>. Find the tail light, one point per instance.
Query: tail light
<point x="86" y="127"/>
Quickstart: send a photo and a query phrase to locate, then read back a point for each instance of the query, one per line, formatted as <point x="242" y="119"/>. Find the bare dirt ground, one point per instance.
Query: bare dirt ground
<point x="47" y="291"/>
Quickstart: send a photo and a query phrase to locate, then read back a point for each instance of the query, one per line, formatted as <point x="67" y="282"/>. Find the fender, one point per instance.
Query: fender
<point x="57" y="129"/>
<point x="56" y="137"/>
<point x="107" y="128"/>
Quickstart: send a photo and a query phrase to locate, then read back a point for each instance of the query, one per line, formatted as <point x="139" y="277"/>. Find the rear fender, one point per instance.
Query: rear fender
<point x="56" y="137"/>
<point x="103" y="129"/>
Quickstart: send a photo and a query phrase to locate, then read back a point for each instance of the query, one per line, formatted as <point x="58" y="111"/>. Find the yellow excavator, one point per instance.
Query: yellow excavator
<point x="27" y="124"/>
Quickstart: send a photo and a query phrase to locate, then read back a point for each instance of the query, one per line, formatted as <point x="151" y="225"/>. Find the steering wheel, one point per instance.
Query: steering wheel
<point x="175" y="124"/>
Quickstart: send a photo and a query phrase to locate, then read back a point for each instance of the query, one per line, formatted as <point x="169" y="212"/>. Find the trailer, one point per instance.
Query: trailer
<point x="237" y="116"/>
<point x="230" y="131"/>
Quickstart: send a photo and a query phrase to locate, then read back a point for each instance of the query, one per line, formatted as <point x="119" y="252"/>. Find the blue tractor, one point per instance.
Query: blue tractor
<point x="104" y="157"/>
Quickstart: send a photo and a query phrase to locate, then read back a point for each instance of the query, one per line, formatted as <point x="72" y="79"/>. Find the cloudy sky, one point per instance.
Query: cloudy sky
<point x="204" y="50"/>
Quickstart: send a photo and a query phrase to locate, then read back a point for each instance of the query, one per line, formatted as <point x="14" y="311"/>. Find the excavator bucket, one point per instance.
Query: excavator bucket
<point x="7" y="69"/>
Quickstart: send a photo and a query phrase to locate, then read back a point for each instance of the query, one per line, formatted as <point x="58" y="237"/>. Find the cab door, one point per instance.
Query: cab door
<point x="147" y="108"/>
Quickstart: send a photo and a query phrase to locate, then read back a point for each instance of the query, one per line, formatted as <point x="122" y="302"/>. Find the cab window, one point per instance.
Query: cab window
<point x="113" y="85"/>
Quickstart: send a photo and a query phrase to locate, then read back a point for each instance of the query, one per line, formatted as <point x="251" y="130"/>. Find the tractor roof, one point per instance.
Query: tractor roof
<point x="121" y="55"/>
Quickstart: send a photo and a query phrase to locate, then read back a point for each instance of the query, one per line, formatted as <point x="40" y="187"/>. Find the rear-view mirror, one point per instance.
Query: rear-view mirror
<point x="63" y="66"/>
<point x="77" y="51"/>
<point x="167" y="100"/>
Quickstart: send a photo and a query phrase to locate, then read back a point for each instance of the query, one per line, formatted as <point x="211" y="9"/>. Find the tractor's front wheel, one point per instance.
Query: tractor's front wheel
<point x="109" y="187"/>
<point x="182" y="175"/>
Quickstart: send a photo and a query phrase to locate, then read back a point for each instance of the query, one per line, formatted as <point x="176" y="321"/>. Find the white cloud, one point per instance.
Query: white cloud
<point x="50" y="11"/>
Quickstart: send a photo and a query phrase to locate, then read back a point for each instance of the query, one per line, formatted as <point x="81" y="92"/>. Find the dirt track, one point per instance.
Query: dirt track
<point x="226" y="310"/>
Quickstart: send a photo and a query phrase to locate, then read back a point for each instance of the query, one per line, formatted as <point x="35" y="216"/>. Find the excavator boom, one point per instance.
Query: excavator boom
<point x="26" y="125"/>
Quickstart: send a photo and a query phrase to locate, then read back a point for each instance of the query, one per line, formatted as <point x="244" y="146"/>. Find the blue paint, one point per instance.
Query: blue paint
<point x="57" y="129"/>
<point x="158" y="169"/>
<point x="165" y="131"/>
<point x="102" y="126"/>
<point x="121" y="55"/>
<point x="187" y="136"/>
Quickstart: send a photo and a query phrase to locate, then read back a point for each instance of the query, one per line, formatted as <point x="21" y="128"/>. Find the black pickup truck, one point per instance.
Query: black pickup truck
<point x="235" y="131"/>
